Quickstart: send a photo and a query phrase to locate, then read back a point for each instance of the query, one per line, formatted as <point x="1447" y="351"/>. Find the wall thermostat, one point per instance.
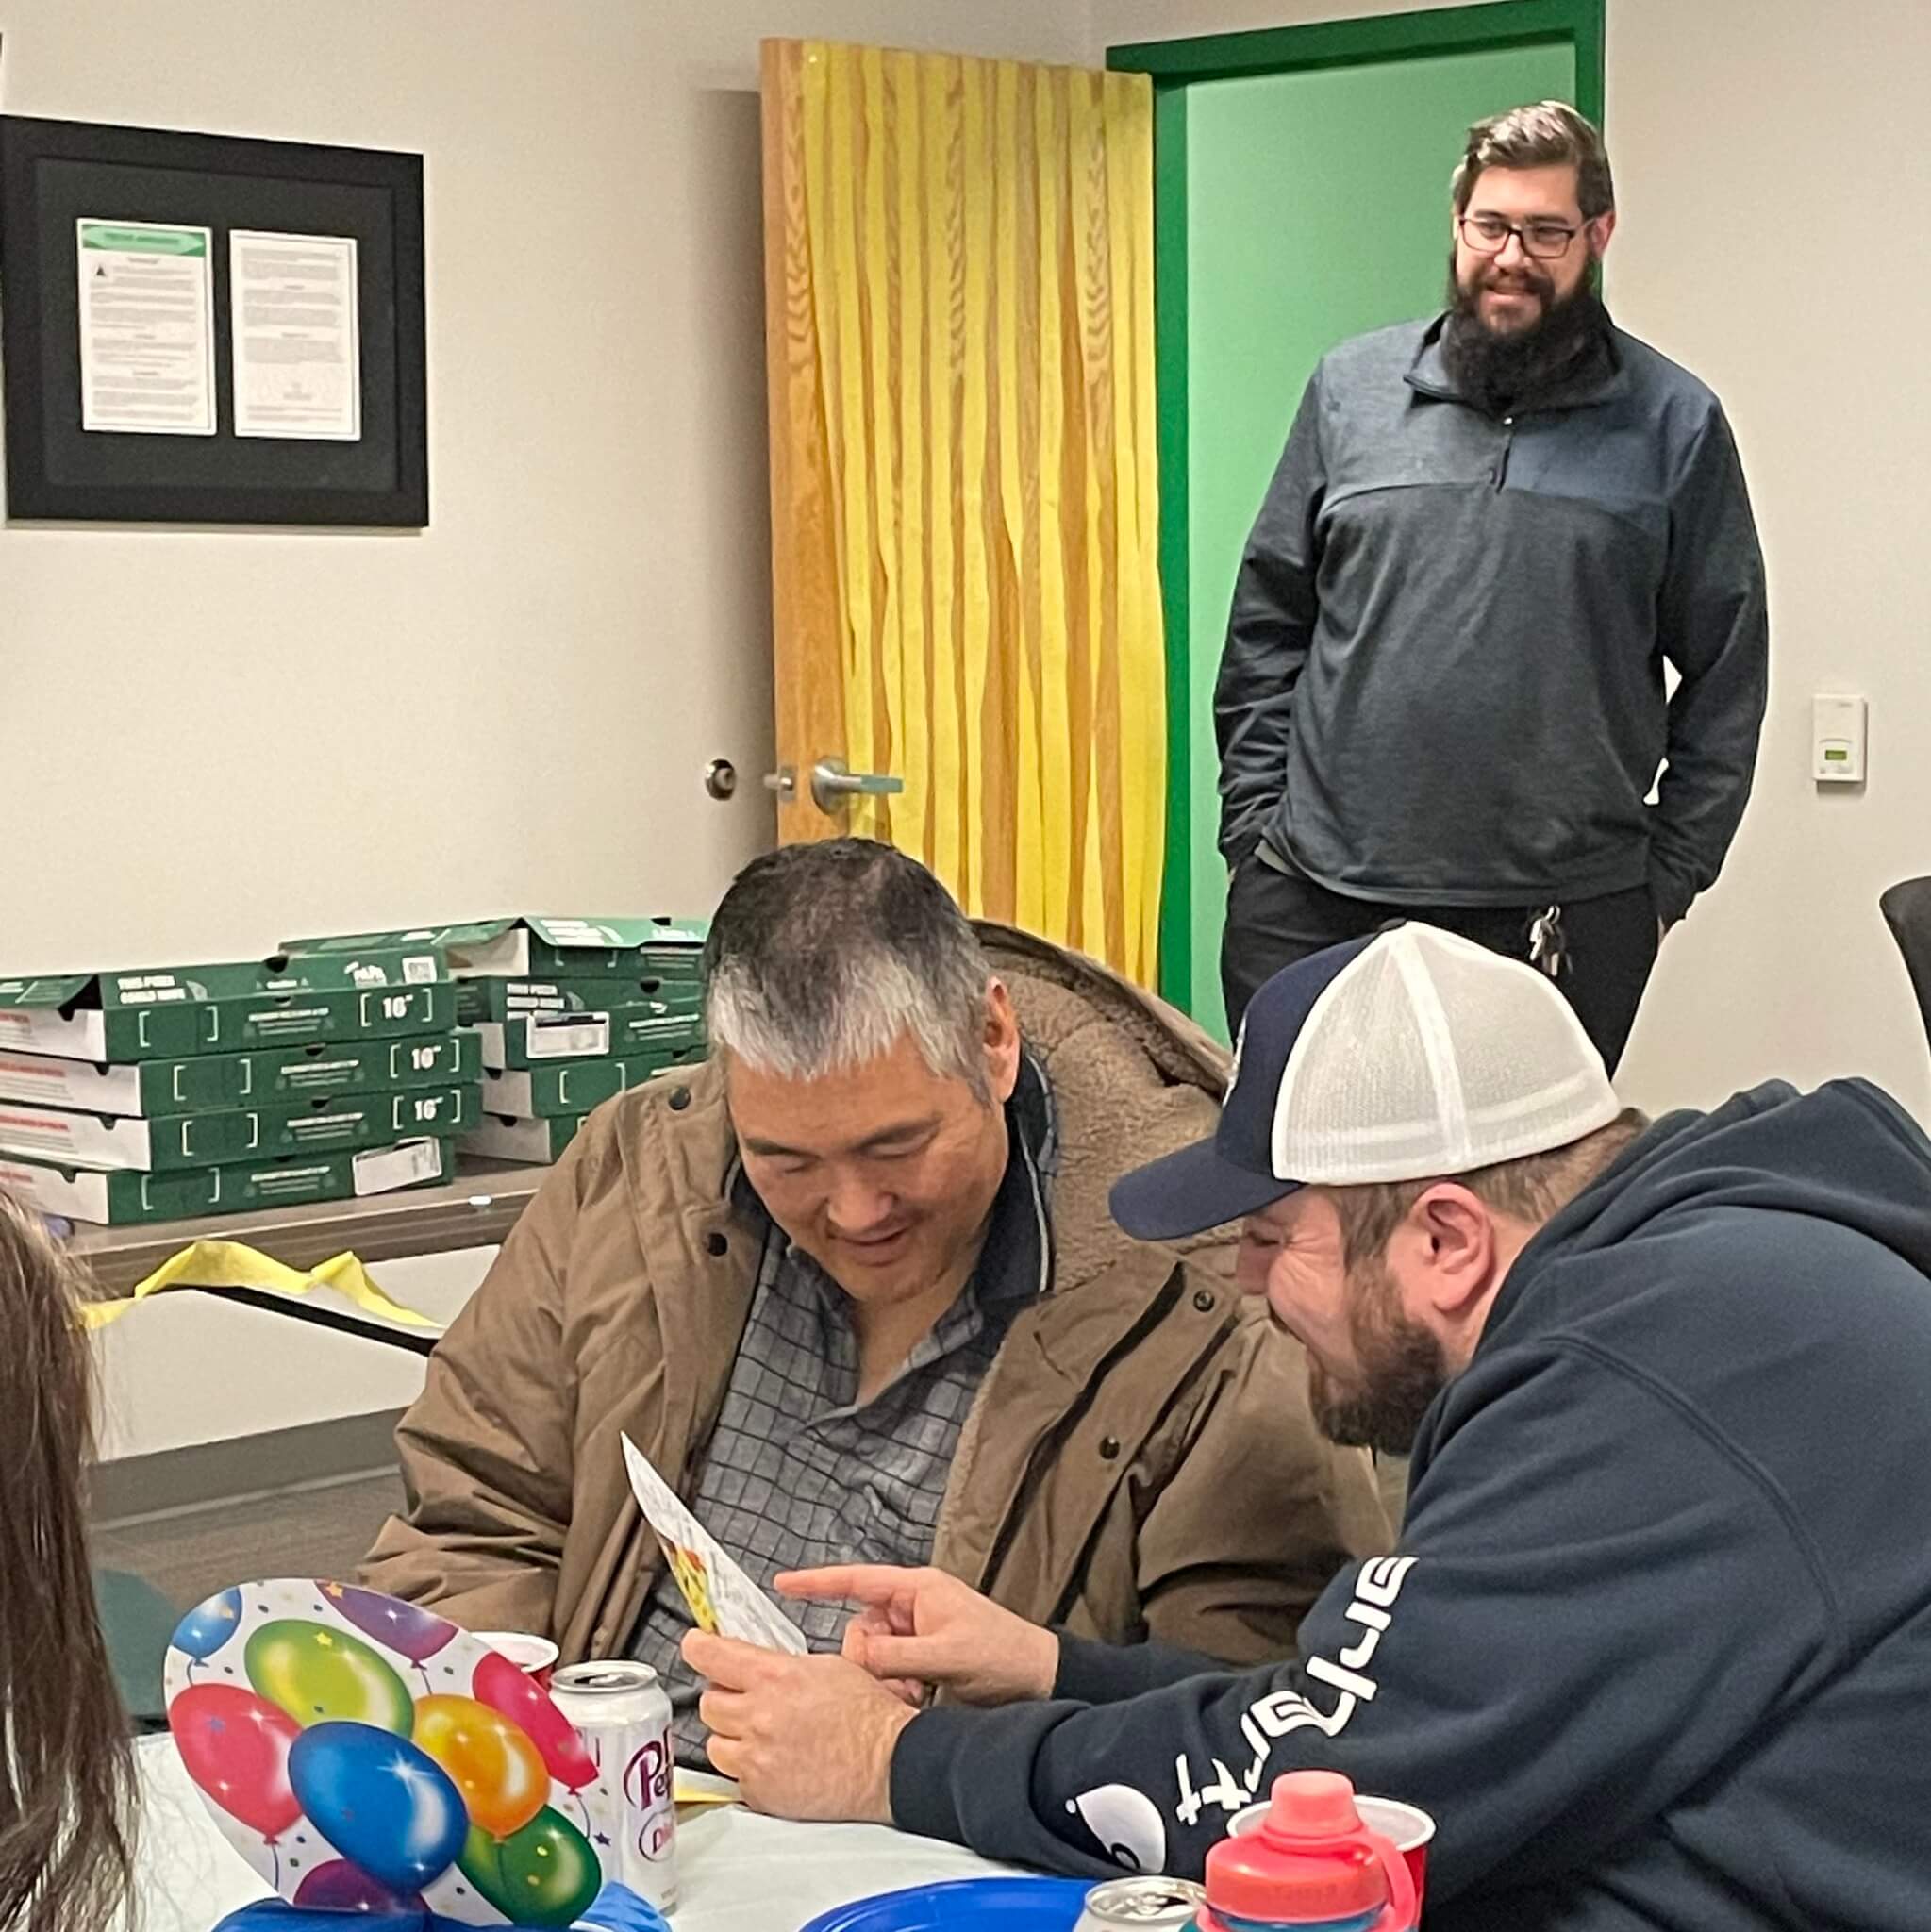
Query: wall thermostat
<point x="1837" y="739"/>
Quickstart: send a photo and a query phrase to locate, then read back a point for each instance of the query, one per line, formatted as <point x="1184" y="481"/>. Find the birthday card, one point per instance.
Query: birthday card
<point x="718" y="1594"/>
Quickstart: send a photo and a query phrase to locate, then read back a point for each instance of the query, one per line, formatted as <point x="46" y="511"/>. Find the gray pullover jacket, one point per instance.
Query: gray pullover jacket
<point x="1443" y="677"/>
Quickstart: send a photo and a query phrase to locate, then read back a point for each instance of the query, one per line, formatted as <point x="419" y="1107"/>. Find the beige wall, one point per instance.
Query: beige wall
<point x="210" y="739"/>
<point x="1795" y="285"/>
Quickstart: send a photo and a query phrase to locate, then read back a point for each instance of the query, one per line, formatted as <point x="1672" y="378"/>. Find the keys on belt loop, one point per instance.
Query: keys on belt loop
<point x="1548" y="942"/>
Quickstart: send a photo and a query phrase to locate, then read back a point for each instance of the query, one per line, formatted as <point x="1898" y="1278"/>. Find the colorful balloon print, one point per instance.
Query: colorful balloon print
<point x="481" y="1862"/>
<point x="503" y="1687"/>
<point x="366" y="1756"/>
<point x="501" y="1775"/>
<point x="236" y="1747"/>
<point x="341" y="1887"/>
<point x="416" y="1634"/>
<point x="549" y="1874"/>
<point x="380" y="1802"/>
<point x="320" y="1674"/>
<point x="209" y="1625"/>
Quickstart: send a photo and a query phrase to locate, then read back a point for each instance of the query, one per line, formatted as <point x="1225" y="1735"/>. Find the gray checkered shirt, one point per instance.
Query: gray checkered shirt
<point x="796" y="1473"/>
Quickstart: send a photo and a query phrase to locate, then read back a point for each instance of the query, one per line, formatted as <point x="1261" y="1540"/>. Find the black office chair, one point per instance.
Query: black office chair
<point x="1906" y="908"/>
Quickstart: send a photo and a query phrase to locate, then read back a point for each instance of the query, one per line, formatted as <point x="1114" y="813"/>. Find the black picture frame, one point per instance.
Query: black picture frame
<point x="54" y="171"/>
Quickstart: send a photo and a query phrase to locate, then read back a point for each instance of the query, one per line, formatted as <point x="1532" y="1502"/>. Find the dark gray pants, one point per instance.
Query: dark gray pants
<point x="1276" y="918"/>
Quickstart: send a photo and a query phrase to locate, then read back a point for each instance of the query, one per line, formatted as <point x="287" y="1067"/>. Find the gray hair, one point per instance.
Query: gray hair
<point x="823" y="955"/>
<point x="1548" y="134"/>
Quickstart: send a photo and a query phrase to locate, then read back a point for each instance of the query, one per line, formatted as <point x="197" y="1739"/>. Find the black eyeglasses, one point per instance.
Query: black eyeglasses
<point x="1489" y="235"/>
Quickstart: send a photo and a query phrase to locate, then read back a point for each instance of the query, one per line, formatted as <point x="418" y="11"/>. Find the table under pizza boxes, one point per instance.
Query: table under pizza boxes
<point x="163" y="1094"/>
<point x="564" y="1014"/>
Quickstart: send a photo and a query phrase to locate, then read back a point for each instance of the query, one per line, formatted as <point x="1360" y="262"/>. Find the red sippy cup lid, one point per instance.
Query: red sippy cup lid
<point x="1310" y="1860"/>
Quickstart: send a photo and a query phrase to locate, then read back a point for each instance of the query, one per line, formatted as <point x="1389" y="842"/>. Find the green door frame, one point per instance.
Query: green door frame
<point x="1175" y="66"/>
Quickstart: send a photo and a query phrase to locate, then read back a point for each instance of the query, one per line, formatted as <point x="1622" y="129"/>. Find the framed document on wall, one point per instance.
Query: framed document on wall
<point x="210" y="330"/>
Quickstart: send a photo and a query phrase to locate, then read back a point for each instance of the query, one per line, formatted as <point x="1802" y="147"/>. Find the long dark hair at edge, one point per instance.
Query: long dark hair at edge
<point x="66" y="1766"/>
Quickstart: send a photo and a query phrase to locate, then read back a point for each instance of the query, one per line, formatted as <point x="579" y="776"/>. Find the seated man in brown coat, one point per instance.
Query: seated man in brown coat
<point x="855" y="1290"/>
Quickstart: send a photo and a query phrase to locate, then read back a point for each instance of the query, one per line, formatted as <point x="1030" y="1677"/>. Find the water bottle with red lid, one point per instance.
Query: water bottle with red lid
<point x="1313" y="1866"/>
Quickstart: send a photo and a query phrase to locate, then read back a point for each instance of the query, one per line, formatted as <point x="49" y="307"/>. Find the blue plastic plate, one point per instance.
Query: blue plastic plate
<point x="274" y="1915"/>
<point x="617" y="1909"/>
<point x="1011" y="1904"/>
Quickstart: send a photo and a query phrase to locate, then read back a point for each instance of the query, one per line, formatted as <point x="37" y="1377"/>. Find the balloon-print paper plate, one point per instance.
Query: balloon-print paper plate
<point x="370" y="1756"/>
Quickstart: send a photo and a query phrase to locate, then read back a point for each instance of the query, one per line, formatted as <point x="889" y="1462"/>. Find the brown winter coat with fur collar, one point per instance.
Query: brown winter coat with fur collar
<point x="1140" y="1459"/>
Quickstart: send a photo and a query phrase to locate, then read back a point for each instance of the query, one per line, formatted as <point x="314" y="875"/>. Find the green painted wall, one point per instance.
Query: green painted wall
<point x="1317" y="207"/>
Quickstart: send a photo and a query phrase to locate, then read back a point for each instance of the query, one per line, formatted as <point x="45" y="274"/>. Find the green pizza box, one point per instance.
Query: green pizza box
<point x="567" y="1087"/>
<point x="173" y="1013"/>
<point x="78" y="1193"/>
<point x="482" y="1000"/>
<point x="528" y="946"/>
<point x="528" y="1039"/>
<point x="171" y="1141"/>
<point x="209" y="1081"/>
<point x="498" y="1136"/>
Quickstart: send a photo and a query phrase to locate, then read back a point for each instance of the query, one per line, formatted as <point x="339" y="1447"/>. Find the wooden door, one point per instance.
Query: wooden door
<point x="964" y="478"/>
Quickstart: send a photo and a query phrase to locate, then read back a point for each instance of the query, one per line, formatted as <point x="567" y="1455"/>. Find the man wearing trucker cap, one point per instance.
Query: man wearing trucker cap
<point x="1654" y="1647"/>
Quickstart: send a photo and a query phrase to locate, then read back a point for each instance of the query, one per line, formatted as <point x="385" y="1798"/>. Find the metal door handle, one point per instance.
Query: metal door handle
<point x="832" y="783"/>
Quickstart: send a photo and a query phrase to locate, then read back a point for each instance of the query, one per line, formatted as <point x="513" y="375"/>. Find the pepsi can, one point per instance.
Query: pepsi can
<point x="624" y="1718"/>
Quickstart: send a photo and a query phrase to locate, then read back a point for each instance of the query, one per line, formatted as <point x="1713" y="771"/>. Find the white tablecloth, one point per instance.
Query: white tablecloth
<point x="737" y="1872"/>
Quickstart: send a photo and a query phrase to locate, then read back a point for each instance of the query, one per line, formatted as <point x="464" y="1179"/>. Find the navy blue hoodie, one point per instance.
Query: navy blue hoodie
<point x="1655" y="1648"/>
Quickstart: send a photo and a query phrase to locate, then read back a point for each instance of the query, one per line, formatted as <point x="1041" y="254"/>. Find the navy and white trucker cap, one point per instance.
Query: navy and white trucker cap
<point x="1397" y="1058"/>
